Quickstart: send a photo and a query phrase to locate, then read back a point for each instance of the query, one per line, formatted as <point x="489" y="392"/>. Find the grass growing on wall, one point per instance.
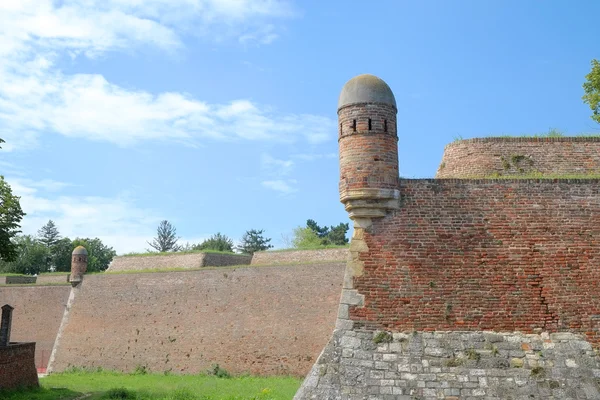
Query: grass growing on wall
<point x="114" y="385"/>
<point x="310" y="248"/>
<point x="174" y="253"/>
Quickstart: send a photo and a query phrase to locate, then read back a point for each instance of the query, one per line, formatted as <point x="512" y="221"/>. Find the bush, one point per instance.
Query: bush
<point x="119" y="394"/>
<point x="219" y="372"/>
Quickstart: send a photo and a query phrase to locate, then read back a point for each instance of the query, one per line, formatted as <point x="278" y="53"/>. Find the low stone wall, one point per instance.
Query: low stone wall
<point x="177" y="260"/>
<point x="299" y="256"/>
<point x="17" y="366"/>
<point x="52" y="279"/>
<point x="19" y="279"/>
<point x="454" y="365"/>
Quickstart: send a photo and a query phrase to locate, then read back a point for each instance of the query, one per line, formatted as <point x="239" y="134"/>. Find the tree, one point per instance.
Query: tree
<point x="48" y="234"/>
<point x="60" y="254"/>
<point x="166" y="239"/>
<point x="216" y="242"/>
<point x="337" y="234"/>
<point x="10" y="218"/>
<point x="592" y="90"/>
<point x="333" y="235"/>
<point x="252" y="241"/>
<point x="306" y="238"/>
<point x="321" y="232"/>
<point x="31" y="257"/>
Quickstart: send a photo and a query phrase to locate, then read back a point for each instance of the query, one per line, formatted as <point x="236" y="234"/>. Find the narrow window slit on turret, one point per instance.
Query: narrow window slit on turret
<point x="354" y="125"/>
<point x="385" y="125"/>
<point x="369" y="123"/>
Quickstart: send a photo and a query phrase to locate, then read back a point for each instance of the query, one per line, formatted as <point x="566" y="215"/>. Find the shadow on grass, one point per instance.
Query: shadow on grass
<point x="39" y="394"/>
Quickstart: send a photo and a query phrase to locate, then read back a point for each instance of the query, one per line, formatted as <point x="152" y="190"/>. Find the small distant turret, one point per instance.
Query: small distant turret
<point x="79" y="261"/>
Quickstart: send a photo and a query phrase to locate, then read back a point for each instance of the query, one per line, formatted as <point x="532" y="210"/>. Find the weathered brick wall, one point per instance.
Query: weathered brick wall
<point x="368" y="147"/>
<point x="37" y="315"/>
<point x="261" y="320"/>
<point x="476" y="255"/>
<point x="299" y="256"/>
<point x="485" y="157"/>
<point x="176" y="260"/>
<point x="17" y="367"/>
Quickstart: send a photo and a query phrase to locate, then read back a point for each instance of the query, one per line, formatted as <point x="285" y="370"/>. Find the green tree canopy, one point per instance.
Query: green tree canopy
<point x="31" y="256"/>
<point x="166" y="238"/>
<point x="592" y="90"/>
<point x="216" y="242"/>
<point x="10" y="219"/>
<point x="333" y="235"/>
<point x="305" y="238"/>
<point x="252" y="241"/>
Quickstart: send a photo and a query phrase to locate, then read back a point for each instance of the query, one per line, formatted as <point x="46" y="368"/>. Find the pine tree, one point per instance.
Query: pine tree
<point x="166" y="239"/>
<point x="48" y="234"/>
<point x="252" y="241"/>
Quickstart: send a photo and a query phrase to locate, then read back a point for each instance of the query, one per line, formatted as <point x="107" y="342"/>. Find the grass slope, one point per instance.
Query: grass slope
<point x="114" y="385"/>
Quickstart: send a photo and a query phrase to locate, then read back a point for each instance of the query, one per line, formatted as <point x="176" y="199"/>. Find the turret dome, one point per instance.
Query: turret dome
<point x="366" y="89"/>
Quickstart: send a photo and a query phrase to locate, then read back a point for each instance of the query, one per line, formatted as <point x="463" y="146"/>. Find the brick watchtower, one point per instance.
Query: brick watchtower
<point x="368" y="143"/>
<point x="79" y="261"/>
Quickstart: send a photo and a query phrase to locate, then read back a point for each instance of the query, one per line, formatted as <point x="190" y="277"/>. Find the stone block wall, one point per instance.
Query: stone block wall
<point x="176" y="260"/>
<point x="37" y="315"/>
<point x="299" y="256"/>
<point x="486" y="157"/>
<point x="454" y="365"/>
<point x="17" y="366"/>
<point x="258" y="320"/>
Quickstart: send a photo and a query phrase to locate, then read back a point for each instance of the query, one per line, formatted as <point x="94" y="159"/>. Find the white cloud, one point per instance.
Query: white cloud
<point x="275" y="166"/>
<point x="281" y="186"/>
<point x="116" y="220"/>
<point x="36" y="97"/>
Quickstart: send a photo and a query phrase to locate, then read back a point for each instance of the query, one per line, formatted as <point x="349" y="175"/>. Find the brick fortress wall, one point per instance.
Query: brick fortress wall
<point x="37" y="315"/>
<point x="485" y="255"/>
<point x="486" y="157"/>
<point x="429" y="283"/>
<point x="259" y="320"/>
<point x="17" y="368"/>
<point x="175" y="260"/>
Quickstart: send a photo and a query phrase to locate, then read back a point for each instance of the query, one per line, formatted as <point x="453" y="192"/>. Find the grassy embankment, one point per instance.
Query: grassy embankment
<point x="112" y="385"/>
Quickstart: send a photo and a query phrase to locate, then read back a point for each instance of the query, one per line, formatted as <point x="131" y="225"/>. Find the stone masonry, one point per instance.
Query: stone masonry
<point x="359" y="364"/>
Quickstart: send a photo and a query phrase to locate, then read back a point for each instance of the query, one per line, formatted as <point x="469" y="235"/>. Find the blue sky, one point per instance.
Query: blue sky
<point x="220" y="115"/>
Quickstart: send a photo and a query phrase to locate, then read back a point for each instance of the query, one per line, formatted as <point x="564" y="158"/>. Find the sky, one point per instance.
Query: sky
<point x="220" y="115"/>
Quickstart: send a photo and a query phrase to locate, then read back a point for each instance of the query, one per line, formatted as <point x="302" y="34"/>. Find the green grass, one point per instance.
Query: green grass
<point x="310" y="248"/>
<point x="538" y="175"/>
<point x="170" y="253"/>
<point x="113" y="385"/>
<point x="552" y="133"/>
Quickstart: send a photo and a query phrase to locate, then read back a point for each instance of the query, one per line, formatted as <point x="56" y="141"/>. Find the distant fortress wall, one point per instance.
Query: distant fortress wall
<point x="490" y="157"/>
<point x="300" y="256"/>
<point x="259" y="320"/>
<point x="176" y="260"/>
